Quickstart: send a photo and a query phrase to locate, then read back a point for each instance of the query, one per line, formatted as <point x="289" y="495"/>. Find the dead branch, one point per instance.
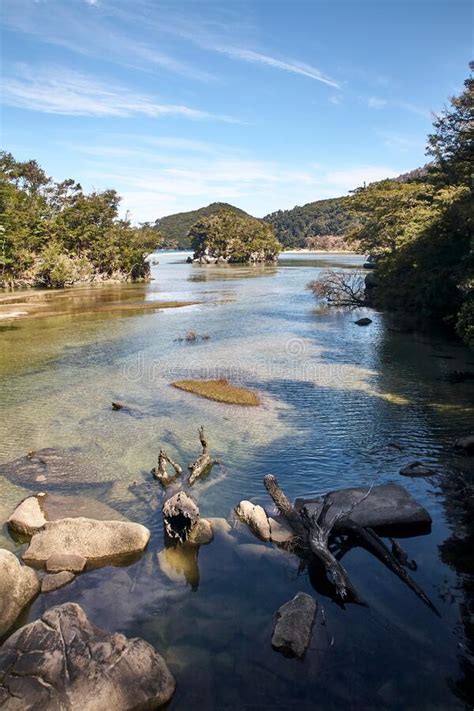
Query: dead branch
<point x="161" y="473"/>
<point x="203" y="463"/>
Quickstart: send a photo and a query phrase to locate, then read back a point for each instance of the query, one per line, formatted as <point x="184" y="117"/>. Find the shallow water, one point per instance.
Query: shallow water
<point x="342" y="405"/>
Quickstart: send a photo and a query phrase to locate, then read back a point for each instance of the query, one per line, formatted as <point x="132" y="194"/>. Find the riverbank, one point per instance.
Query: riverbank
<point x="83" y="300"/>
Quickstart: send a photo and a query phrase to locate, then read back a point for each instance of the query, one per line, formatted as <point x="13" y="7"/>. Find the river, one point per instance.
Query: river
<point x="342" y="405"/>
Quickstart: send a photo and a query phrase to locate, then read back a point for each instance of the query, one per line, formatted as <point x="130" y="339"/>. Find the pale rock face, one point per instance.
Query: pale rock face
<point x="67" y="662"/>
<point x="279" y="533"/>
<point x="18" y="586"/>
<point x="294" y="624"/>
<point x="95" y="541"/>
<point x="255" y="517"/>
<point x="71" y="562"/>
<point x="28" y="517"/>
<point x="201" y="533"/>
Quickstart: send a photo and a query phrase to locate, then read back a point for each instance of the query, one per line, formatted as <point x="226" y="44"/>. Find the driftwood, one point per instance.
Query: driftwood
<point x="180" y="515"/>
<point x="316" y="522"/>
<point x="203" y="463"/>
<point x="161" y="473"/>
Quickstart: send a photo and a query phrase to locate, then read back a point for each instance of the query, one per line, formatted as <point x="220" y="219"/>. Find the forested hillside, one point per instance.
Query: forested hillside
<point x="317" y="225"/>
<point x="174" y="228"/>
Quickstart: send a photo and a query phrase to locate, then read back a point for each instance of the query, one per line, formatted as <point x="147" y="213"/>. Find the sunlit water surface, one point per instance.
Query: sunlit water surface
<point x="342" y="405"/>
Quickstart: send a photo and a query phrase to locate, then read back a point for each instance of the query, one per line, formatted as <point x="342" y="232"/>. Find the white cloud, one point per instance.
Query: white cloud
<point x="287" y="65"/>
<point x="374" y="102"/>
<point x="57" y="91"/>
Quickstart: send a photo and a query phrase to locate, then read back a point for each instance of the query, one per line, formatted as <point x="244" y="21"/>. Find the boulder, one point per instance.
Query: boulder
<point x="32" y="513"/>
<point x="201" y="533"/>
<point x="28" y="517"/>
<point x="466" y="443"/>
<point x="18" y="586"/>
<point x="54" y="581"/>
<point x="294" y="624"/>
<point x="255" y="518"/>
<point x="71" y="562"/>
<point x="363" y="322"/>
<point x="100" y="542"/>
<point x="387" y="505"/>
<point x="416" y="469"/>
<point x="63" y="661"/>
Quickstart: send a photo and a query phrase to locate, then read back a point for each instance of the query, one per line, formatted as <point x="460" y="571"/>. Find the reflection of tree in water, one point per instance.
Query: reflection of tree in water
<point x="457" y="551"/>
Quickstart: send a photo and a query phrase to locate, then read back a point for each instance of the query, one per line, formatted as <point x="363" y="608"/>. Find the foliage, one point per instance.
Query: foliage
<point x="340" y="288"/>
<point x="419" y="230"/>
<point x="234" y="238"/>
<point x="324" y="217"/>
<point x="174" y="229"/>
<point x="54" y="234"/>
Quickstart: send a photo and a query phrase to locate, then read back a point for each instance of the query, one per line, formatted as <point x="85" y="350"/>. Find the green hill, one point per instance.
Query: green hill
<point x="304" y="225"/>
<point x="174" y="228"/>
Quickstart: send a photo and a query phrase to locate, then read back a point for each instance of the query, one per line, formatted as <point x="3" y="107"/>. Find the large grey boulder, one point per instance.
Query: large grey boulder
<point x="294" y="624"/>
<point x="32" y="513"/>
<point x="63" y="661"/>
<point x="55" y="581"/>
<point x="97" y="541"/>
<point x="386" y="505"/>
<point x="18" y="586"/>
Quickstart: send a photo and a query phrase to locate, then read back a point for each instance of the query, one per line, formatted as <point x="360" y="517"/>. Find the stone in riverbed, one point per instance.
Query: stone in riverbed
<point x="71" y="562"/>
<point x="201" y="533"/>
<point x="279" y="531"/>
<point x="28" y="517"/>
<point x="294" y="624"/>
<point x="466" y="443"/>
<point x="386" y="505"/>
<point x="363" y="322"/>
<point x="32" y="513"/>
<point x="18" y="586"/>
<point x="63" y="661"/>
<point x="100" y="542"/>
<point x="416" y="469"/>
<point x="54" y="581"/>
<point x="255" y="517"/>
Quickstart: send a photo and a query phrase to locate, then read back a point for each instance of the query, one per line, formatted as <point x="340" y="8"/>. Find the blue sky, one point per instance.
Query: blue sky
<point x="262" y="103"/>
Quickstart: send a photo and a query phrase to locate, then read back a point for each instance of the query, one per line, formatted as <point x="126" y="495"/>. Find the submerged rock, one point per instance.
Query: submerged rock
<point x="255" y="517"/>
<point x="294" y="624"/>
<point x="386" y="505"/>
<point x="97" y="541"/>
<point x="63" y="661"/>
<point x="363" y="322"/>
<point x="416" y="469"/>
<point x="54" y="581"/>
<point x="52" y="467"/>
<point x="18" y="586"/>
<point x="466" y="443"/>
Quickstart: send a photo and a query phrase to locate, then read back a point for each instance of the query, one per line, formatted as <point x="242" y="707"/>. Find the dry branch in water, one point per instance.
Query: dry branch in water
<point x="203" y="463"/>
<point x="340" y="288"/>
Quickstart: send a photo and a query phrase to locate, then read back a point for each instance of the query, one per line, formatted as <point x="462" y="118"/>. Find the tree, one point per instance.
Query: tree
<point x="233" y="238"/>
<point x="451" y="143"/>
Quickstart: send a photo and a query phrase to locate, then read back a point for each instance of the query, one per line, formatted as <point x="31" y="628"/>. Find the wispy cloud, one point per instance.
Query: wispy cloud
<point x="375" y="102"/>
<point x="394" y="139"/>
<point x="57" y="91"/>
<point x="287" y="65"/>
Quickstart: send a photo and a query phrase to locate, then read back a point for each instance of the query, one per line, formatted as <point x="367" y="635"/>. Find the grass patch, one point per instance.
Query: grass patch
<point x="219" y="390"/>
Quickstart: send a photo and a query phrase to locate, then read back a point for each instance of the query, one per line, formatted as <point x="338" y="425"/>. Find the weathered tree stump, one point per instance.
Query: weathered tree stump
<point x="180" y="515"/>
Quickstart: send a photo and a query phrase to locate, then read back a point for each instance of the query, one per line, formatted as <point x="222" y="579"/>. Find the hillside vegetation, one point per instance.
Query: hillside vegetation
<point x="54" y="234"/>
<point x="174" y="229"/>
<point x="322" y="224"/>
